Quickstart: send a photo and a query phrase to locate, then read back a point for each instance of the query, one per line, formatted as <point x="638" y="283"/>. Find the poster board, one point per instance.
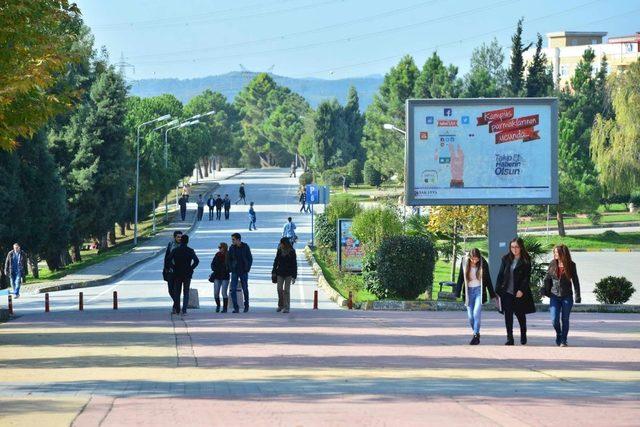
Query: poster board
<point x="350" y="251"/>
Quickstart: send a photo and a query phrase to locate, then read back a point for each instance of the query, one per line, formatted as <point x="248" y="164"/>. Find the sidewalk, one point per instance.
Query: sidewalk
<point x="114" y="268"/>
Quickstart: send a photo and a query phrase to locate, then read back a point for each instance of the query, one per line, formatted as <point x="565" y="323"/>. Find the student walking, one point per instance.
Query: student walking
<point x="557" y="286"/>
<point x="227" y="206"/>
<point x="242" y="194"/>
<point x="303" y="200"/>
<point x="474" y="282"/>
<point x="513" y="286"/>
<point x="211" y="203"/>
<point x="220" y="274"/>
<point x="219" y="204"/>
<point x="200" y="204"/>
<point x="15" y="267"/>
<point x="289" y="231"/>
<point x="182" y="202"/>
<point x="239" y="261"/>
<point x="182" y="260"/>
<point x="293" y="170"/>
<point x="252" y="217"/>
<point x="285" y="272"/>
<point x="167" y="271"/>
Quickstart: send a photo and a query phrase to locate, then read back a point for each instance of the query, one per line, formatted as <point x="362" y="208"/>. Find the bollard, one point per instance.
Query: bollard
<point x="10" y="305"/>
<point x="350" y="301"/>
<point x="46" y="302"/>
<point x="315" y="300"/>
<point x="80" y="302"/>
<point x="115" y="300"/>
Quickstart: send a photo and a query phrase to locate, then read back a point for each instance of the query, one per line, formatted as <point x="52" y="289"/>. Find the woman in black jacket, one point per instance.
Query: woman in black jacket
<point x="513" y="286"/>
<point x="285" y="271"/>
<point x="474" y="282"/>
<point x="557" y="286"/>
<point x="220" y="271"/>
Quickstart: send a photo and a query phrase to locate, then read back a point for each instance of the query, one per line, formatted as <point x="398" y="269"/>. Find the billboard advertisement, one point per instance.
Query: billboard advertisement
<point x="498" y="151"/>
<point x="350" y="252"/>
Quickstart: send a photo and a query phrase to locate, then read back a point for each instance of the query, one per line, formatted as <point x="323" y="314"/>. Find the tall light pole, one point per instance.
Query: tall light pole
<point x="135" y="224"/>
<point x="389" y="126"/>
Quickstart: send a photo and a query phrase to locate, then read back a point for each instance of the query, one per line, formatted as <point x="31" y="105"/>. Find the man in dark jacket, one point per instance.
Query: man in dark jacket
<point x="167" y="273"/>
<point x="227" y="206"/>
<point x="183" y="261"/>
<point x="240" y="260"/>
<point x="15" y="267"/>
<point x="182" y="202"/>
<point x="219" y="204"/>
<point x="211" y="202"/>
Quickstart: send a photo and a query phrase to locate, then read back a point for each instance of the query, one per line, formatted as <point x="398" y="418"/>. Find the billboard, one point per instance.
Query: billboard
<point x="350" y="252"/>
<point x="487" y="151"/>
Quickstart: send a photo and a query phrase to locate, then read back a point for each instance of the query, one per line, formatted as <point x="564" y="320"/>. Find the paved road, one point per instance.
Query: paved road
<point x="274" y="194"/>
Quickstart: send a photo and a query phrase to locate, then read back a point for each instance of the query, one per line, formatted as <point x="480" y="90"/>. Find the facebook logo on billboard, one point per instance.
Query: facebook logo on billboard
<point x="429" y="120"/>
<point x="448" y="112"/>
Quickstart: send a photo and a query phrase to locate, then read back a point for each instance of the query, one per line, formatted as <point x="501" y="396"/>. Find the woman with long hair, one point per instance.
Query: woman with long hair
<point x="220" y="271"/>
<point x="514" y="287"/>
<point x="474" y="282"/>
<point x="285" y="272"/>
<point x="557" y="286"/>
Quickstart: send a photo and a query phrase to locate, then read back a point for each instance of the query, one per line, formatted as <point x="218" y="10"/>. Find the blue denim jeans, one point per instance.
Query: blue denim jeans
<point x="244" y="277"/>
<point x="16" y="281"/>
<point x="560" y="308"/>
<point x="474" y="309"/>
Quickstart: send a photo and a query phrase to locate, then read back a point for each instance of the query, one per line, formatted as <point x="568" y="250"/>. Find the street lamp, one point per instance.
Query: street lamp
<point x="389" y="126"/>
<point x="135" y="219"/>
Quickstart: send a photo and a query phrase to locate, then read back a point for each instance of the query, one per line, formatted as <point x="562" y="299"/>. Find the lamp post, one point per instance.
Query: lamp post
<point x="389" y="126"/>
<point x="135" y="215"/>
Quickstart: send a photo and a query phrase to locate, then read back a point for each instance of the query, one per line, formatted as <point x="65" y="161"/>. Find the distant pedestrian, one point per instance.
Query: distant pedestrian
<point x="242" y="194"/>
<point x="219" y="204"/>
<point x="240" y="261"/>
<point x="252" y="217"/>
<point x="227" y="206"/>
<point x="15" y="267"/>
<point x="182" y="260"/>
<point x="474" y="282"/>
<point x="303" y="200"/>
<point x="220" y="272"/>
<point x="285" y="271"/>
<point x="182" y="202"/>
<point x="211" y="203"/>
<point x="289" y="231"/>
<point x="167" y="271"/>
<point x="186" y="191"/>
<point x="293" y="170"/>
<point x="513" y="286"/>
<point x="560" y="276"/>
<point x="200" y="204"/>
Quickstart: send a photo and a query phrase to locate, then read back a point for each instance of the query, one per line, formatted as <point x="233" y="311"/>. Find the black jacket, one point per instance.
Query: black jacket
<point x="521" y="282"/>
<point x="183" y="260"/>
<point x="227" y="204"/>
<point x="8" y="265"/>
<point x="211" y="202"/>
<point x="239" y="259"/>
<point x="487" y="286"/>
<point x="565" y="283"/>
<point x="219" y="203"/>
<point x="241" y="192"/>
<point x="182" y="201"/>
<point x="285" y="265"/>
<point x="168" y="268"/>
<point x="219" y="267"/>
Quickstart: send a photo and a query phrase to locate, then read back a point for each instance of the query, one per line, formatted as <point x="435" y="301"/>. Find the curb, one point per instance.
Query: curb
<point x="322" y="281"/>
<point x="391" y="305"/>
<point x="125" y="270"/>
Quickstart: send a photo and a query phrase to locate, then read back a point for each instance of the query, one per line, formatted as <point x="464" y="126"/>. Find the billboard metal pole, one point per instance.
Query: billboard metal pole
<point x="503" y="226"/>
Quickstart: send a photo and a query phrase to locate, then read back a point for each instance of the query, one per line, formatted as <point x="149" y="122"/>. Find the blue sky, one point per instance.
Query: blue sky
<point x="327" y="38"/>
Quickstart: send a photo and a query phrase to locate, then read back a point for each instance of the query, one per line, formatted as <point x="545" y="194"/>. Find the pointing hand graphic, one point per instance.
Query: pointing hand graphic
<point x="457" y="166"/>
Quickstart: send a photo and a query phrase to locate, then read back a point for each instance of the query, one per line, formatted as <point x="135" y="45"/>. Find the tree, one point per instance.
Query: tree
<point x="436" y="80"/>
<point x="515" y="74"/>
<point x="36" y="39"/>
<point x="540" y="74"/>
<point x="331" y="147"/>
<point x="354" y="121"/>
<point x="487" y="76"/>
<point x="615" y="142"/>
<point x="286" y="124"/>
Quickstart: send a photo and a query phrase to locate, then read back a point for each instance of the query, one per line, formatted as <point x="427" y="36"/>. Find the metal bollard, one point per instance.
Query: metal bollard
<point x="10" y="305"/>
<point x="315" y="300"/>
<point x="80" y="302"/>
<point x="46" y="302"/>
<point x="350" y="301"/>
<point x="115" y="300"/>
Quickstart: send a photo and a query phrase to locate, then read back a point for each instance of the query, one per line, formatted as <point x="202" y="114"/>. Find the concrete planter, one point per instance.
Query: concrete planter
<point x="322" y="281"/>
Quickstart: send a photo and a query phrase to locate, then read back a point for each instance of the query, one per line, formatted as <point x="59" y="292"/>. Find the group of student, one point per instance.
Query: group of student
<point x="512" y="292"/>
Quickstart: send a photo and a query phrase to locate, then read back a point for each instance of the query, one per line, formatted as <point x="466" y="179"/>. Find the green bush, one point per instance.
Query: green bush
<point x="325" y="232"/>
<point x="326" y="223"/>
<point x="372" y="175"/>
<point x="373" y="225"/>
<point x="635" y="198"/>
<point x="405" y="266"/>
<point x="595" y="217"/>
<point x="609" y="236"/>
<point x="613" y="290"/>
<point x="354" y="170"/>
<point x="370" y="274"/>
<point x="347" y="207"/>
<point x="306" y="178"/>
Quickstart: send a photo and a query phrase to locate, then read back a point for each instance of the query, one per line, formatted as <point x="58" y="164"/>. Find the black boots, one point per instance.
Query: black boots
<point x="217" y="304"/>
<point x="523" y="336"/>
<point x="225" y="304"/>
<point x="509" y="340"/>
<point x="475" y="340"/>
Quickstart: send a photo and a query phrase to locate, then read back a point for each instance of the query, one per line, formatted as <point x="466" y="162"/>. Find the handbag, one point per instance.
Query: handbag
<point x="274" y="278"/>
<point x="212" y="277"/>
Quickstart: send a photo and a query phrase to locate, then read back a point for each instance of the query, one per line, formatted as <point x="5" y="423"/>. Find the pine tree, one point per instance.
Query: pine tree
<point x="355" y="123"/>
<point x="540" y="74"/>
<point x="515" y="74"/>
<point x="436" y="80"/>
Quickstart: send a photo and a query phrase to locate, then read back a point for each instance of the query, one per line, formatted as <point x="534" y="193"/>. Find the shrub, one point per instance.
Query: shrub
<point x="405" y="266"/>
<point x="595" y="217"/>
<point x="613" y="290"/>
<point x="325" y="231"/>
<point x="371" y="174"/>
<point x="336" y="178"/>
<point x="354" y="170"/>
<point x="609" y="236"/>
<point x="306" y="178"/>
<point x="325" y="223"/>
<point x="373" y="225"/>
<point x="635" y="198"/>
<point x="370" y="274"/>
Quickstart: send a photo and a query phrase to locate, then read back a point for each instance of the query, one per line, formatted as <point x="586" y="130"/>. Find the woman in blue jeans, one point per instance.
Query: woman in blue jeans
<point x="474" y="282"/>
<point x="557" y="286"/>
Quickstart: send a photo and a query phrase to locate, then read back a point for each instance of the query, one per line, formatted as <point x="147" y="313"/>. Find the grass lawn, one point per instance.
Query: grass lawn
<point x="596" y="241"/>
<point x="607" y="218"/>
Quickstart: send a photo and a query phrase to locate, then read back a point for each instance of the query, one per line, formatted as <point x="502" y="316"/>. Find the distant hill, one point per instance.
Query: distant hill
<point x="314" y="90"/>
